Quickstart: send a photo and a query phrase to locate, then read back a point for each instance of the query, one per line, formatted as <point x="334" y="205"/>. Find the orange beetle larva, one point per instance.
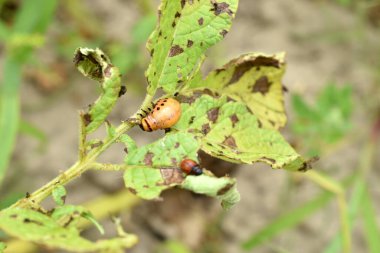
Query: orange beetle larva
<point x="165" y="114"/>
<point x="191" y="167"/>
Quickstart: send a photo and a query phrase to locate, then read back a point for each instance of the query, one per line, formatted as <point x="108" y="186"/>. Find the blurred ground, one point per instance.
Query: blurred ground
<point x="324" y="42"/>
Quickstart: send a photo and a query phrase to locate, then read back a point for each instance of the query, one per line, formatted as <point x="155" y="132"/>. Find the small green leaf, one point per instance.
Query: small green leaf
<point x="370" y="223"/>
<point x="59" y="195"/>
<point x="96" y="65"/>
<point x="223" y="188"/>
<point x="229" y="131"/>
<point x="130" y="144"/>
<point x="254" y="79"/>
<point x="185" y="30"/>
<point x="33" y="226"/>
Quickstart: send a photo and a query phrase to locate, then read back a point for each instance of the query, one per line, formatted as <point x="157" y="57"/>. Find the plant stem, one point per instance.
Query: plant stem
<point x="79" y="167"/>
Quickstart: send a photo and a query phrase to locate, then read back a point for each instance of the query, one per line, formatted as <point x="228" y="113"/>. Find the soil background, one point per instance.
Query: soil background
<point x="324" y="42"/>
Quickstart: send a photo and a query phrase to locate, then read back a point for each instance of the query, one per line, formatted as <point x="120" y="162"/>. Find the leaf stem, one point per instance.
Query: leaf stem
<point x="79" y="167"/>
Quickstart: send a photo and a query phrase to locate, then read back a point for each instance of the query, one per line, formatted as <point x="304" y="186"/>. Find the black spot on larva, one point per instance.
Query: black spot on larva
<point x="223" y="33"/>
<point x="177" y="15"/>
<point x="27" y="195"/>
<point x="230" y="142"/>
<point x="200" y="21"/>
<point x="220" y="8"/>
<point x="260" y="61"/>
<point x="175" y="50"/>
<point x="158" y="108"/>
<point x="125" y="150"/>
<point x="213" y="114"/>
<point x="123" y="90"/>
<point x="261" y="85"/>
<point x="151" y="52"/>
<point x="160" y="33"/>
<point x="162" y="104"/>
<point x="284" y="88"/>
<point x="189" y="43"/>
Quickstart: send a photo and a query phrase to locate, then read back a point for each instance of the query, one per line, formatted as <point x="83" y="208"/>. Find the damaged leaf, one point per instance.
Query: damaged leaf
<point x="255" y="80"/>
<point x="59" y="195"/>
<point x="185" y="30"/>
<point x="95" y="65"/>
<point x="229" y="131"/>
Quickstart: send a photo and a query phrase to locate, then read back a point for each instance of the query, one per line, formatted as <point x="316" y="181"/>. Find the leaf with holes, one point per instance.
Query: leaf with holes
<point x="95" y="65"/>
<point x="185" y="30"/>
<point x="33" y="226"/>
<point x="228" y="130"/>
<point x="255" y="80"/>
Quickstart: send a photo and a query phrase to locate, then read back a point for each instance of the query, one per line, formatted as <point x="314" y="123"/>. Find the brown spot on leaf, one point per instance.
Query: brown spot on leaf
<point x="234" y="119"/>
<point x="107" y="71"/>
<point x="174" y="161"/>
<point x="223" y="33"/>
<point x="148" y="158"/>
<point x="245" y="66"/>
<point x="213" y="114"/>
<point x="191" y="121"/>
<point x="284" y="88"/>
<point x="126" y="150"/>
<point x="171" y="176"/>
<point x="132" y="190"/>
<point x="27" y="220"/>
<point x="261" y="85"/>
<point x="173" y="24"/>
<point x="160" y="33"/>
<point x="200" y="21"/>
<point x="225" y="189"/>
<point x="176" y="145"/>
<point x="189" y="43"/>
<point x="206" y="128"/>
<point x="219" y="8"/>
<point x="183" y="2"/>
<point x="230" y="142"/>
<point x="177" y="15"/>
<point x="87" y="119"/>
<point x="175" y="50"/>
<point x="151" y="52"/>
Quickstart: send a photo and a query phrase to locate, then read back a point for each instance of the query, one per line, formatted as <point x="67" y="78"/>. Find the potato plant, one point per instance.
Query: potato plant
<point x="234" y="113"/>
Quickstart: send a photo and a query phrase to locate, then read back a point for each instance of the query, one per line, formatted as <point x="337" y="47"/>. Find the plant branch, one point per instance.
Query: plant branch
<point x="78" y="168"/>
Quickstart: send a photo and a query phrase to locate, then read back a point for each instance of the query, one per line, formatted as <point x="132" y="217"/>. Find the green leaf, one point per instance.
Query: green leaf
<point x="28" y="128"/>
<point x="33" y="226"/>
<point x="288" y="220"/>
<point x="223" y="188"/>
<point x="59" y="195"/>
<point x="256" y="80"/>
<point x="168" y="151"/>
<point x="130" y="144"/>
<point x="185" y="30"/>
<point x="96" y="65"/>
<point x="229" y="131"/>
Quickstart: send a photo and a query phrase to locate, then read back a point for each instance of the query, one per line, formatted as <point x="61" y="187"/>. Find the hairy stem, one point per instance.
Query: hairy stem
<point x="80" y="166"/>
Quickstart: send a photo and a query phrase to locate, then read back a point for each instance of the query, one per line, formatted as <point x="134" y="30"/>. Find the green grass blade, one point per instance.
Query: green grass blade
<point x="371" y="228"/>
<point x="9" y="111"/>
<point x="288" y="220"/>
<point x="31" y="130"/>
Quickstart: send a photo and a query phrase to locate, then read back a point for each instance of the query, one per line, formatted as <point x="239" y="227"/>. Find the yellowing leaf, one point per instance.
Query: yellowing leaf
<point x="255" y="80"/>
<point x="185" y="30"/>
<point x="228" y="130"/>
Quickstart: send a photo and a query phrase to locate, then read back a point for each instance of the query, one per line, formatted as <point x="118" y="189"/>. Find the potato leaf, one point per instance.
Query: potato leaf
<point x="31" y="225"/>
<point x="228" y="130"/>
<point x="255" y="80"/>
<point x="95" y="65"/>
<point x="185" y="30"/>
